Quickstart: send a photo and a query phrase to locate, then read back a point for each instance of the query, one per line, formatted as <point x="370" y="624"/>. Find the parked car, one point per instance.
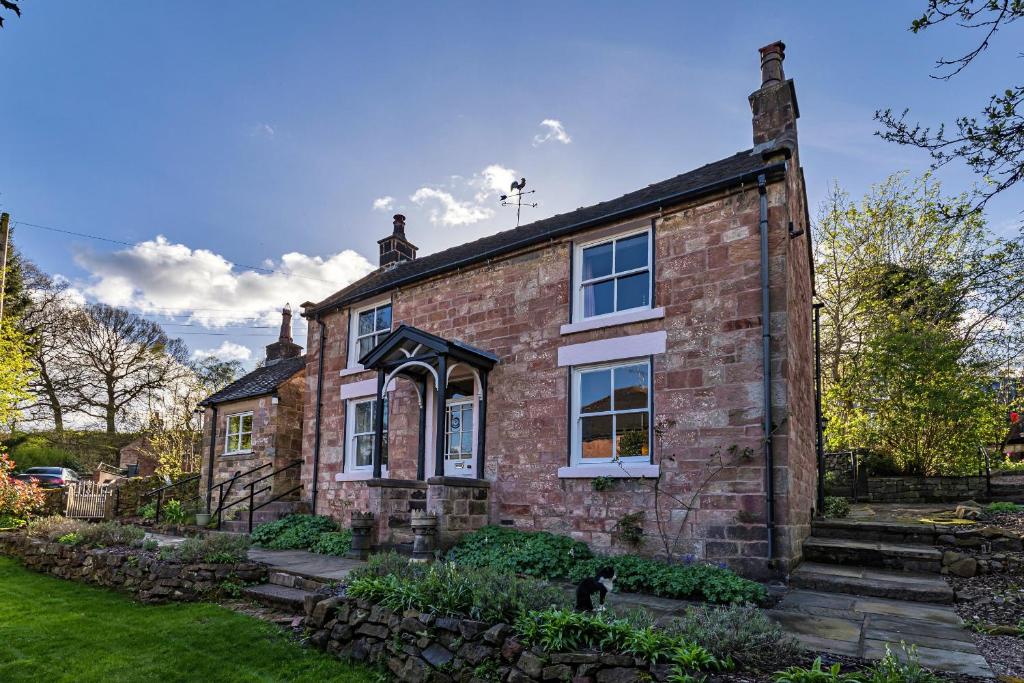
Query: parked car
<point x="49" y="477"/>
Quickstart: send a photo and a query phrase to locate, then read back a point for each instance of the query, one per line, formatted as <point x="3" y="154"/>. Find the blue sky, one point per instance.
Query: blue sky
<point x="248" y="131"/>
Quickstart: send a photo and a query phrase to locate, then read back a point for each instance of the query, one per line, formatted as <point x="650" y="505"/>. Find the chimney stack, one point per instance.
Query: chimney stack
<point x="284" y="347"/>
<point x="773" y="105"/>
<point x="395" y="248"/>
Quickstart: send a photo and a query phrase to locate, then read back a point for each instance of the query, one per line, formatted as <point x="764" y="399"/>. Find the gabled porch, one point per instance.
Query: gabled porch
<point x="450" y="380"/>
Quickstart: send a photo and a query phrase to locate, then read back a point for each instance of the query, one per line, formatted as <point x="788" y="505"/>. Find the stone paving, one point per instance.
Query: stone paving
<point x="308" y="565"/>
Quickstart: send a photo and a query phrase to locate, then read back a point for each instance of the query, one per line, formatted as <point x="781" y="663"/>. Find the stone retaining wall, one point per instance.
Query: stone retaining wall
<point x="923" y="489"/>
<point x="418" y="647"/>
<point x="143" y="574"/>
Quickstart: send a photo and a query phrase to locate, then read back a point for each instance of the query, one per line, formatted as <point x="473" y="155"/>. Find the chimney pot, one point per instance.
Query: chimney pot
<point x="400" y="224"/>
<point x="771" y="63"/>
<point x="395" y="248"/>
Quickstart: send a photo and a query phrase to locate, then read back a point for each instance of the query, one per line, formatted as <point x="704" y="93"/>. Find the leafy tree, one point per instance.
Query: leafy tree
<point x="918" y="310"/>
<point x="15" y="371"/>
<point x="992" y="143"/>
<point x="10" y="6"/>
<point x="125" y="358"/>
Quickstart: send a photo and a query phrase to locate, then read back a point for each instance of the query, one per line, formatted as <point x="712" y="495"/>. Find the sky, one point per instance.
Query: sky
<point x="203" y="139"/>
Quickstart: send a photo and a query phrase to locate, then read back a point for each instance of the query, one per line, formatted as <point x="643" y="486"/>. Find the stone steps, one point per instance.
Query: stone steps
<point x="911" y="557"/>
<point x="890" y="532"/>
<point x="878" y="583"/>
<point x="293" y="580"/>
<point x="275" y="595"/>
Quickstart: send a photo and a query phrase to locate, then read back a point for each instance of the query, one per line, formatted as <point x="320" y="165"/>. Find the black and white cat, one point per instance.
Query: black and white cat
<point x="601" y="583"/>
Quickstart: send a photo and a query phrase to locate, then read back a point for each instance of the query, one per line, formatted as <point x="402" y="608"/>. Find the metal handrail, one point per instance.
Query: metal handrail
<point x="268" y="501"/>
<point x="160" y="493"/>
<point x="251" y="497"/>
<point x="222" y="495"/>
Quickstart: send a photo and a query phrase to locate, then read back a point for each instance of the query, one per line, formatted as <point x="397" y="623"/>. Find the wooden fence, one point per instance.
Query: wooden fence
<point x="86" y="500"/>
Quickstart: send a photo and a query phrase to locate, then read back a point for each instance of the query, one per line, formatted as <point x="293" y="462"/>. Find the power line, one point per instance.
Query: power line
<point x="136" y="245"/>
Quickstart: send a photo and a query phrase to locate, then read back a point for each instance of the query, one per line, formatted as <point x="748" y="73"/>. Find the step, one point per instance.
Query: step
<point x="293" y="580"/>
<point x="877" y="583"/>
<point x="292" y="599"/>
<point x="912" y="557"/>
<point x="891" y="532"/>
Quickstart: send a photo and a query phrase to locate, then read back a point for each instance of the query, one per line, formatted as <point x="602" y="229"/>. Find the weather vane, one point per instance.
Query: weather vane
<point x="515" y="198"/>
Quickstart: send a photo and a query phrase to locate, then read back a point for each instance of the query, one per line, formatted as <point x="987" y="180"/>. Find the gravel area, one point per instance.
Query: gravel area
<point x="996" y="599"/>
<point x="1011" y="521"/>
<point x="1005" y="654"/>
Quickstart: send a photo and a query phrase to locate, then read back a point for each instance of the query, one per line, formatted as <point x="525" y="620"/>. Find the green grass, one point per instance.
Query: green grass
<point x="56" y="630"/>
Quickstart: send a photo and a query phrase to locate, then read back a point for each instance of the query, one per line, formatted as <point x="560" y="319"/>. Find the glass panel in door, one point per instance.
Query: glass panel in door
<point x="459" y="444"/>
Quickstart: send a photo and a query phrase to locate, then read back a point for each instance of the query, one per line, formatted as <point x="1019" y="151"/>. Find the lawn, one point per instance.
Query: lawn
<point x="56" y="630"/>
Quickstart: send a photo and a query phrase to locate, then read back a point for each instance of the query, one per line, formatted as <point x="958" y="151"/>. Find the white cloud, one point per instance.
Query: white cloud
<point x="493" y="180"/>
<point x="226" y="351"/>
<point x="451" y="211"/>
<point x="262" y="130"/>
<point x="385" y="203"/>
<point x="157" y="276"/>
<point x="554" y="130"/>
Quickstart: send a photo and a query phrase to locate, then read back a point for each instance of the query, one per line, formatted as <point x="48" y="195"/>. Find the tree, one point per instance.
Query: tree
<point x="125" y="359"/>
<point x="992" y="143"/>
<point x="47" y="320"/>
<point x="919" y="308"/>
<point x="15" y="371"/>
<point x="10" y="6"/>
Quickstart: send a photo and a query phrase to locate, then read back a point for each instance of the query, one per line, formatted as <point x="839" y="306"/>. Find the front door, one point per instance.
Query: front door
<point x="459" y="444"/>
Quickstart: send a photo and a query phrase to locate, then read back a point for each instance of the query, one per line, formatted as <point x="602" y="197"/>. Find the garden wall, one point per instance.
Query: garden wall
<point x="923" y="489"/>
<point x="141" y="573"/>
<point x="417" y="647"/>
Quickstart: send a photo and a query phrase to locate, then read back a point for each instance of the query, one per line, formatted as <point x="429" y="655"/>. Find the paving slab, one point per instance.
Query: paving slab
<point x="971" y="664"/>
<point x="829" y="628"/>
<point x="908" y="610"/>
<point x="310" y="565"/>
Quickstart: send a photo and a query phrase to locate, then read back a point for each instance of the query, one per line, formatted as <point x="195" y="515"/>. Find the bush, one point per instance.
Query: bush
<point x="148" y="511"/>
<point x="560" y="630"/>
<point x="213" y="549"/>
<point x="681" y="581"/>
<point x="446" y="589"/>
<point x="743" y="633"/>
<point x="333" y="542"/>
<point x="294" y="532"/>
<point x="18" y="499"/>
<point x="107" y="534"/>
<point x="70" y="539"/>
<point x="836" y="507"/>
<point x="889" y="669"/>
<point x="1003" y="508"/>
<point x="33" y="450"/>
<point x="52" y="528"/>
<point x="172" y="512"/>
<point x="7" y="522"/>
<point x="534" y="553"/>
<point x="386" y="564"/>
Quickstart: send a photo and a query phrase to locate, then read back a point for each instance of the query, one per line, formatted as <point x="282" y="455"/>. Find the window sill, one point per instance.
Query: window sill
<point x="613" y="320"/>
<point x="638" y="470"/>
<point x="355" y="475"/>
<point x="240" y="455"/>
<point x="353" y="371"/>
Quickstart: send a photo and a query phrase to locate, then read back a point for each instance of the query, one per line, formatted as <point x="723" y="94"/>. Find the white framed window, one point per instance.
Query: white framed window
<point x="360" y="427"/>
<point x="369" y="326"/>
<point x="612" y="275"/>
<point x="611" y="412"/>
<point x="238" y="434"/>
<point x="459" y="430"/>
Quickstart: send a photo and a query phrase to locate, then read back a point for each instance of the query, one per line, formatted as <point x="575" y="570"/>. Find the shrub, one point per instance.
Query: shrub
<point x="389" y="563"/>
<point x="292" y="532"/>
<point x="446" y="589"/>
<point x="815" y="674"/>
<point x="889" y="669"/>
<point x="34" y="450"/>
<point x="107" y="534"/>
<point x="836" y="507"/>
<point x="1003" y="508"/>
<point x="534" y="553"/>
<point x="18" y="499"/>
<point x="744" y="633"/>
<point x="333" y="542"/>
<point x="213" y="549"/>
<point x="70" y="539"/>
<point x="694" y="580"/>
<point x="560" y="630"/>
<point x="7" y="522"/>
<point x="172" y="512"/>
<point x="52" y="528"/>
<point x="148" y="511"/>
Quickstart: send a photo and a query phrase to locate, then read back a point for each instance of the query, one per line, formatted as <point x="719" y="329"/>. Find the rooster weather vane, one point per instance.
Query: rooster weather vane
<point x="515" y="198"/>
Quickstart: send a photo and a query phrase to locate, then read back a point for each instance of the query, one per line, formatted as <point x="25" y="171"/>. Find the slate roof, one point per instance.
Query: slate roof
<point x="259" y="382"/>
<point x="740" y="167"/>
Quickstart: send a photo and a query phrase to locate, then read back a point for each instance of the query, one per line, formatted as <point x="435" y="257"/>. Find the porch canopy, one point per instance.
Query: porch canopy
<point x="427" y="360"/>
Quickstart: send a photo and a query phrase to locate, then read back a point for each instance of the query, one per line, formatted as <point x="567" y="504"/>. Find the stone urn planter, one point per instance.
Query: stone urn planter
<point x="362" y="525"/>
<point x="202" y="518"/>
<point x="424" y="528"/>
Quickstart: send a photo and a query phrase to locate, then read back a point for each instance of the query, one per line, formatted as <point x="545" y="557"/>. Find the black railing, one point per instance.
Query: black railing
<point x="160" y="493"/>
<point x="253" y="492"/>
<point x="222" y="495"/>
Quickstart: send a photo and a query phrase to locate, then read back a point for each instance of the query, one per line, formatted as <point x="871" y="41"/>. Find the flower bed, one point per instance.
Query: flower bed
<point x="114" y="556"/>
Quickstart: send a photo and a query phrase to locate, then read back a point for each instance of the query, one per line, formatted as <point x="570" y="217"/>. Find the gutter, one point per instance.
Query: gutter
<point x="213" y="451"/>
<point x="759" y="175"/>
<point x="766" y="350"/>
<point x="319" y="405"/>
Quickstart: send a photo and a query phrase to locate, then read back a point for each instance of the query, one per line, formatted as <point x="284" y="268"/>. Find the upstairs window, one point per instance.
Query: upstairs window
<point x="238" y="435"/>
<point x="369" y="327"/>
<point x="613" y="275"/>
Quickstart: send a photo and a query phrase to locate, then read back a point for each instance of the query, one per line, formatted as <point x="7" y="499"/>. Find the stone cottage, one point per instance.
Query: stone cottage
<point x="640" y="363"/>
<point x="252" y="430"/>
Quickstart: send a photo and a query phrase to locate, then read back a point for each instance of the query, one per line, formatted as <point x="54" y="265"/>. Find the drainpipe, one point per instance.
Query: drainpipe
<point x="319" y="404"/>
<point x="766" y="344"/>
<point x="819" y="436"/>
<point x="213" y="452"/>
